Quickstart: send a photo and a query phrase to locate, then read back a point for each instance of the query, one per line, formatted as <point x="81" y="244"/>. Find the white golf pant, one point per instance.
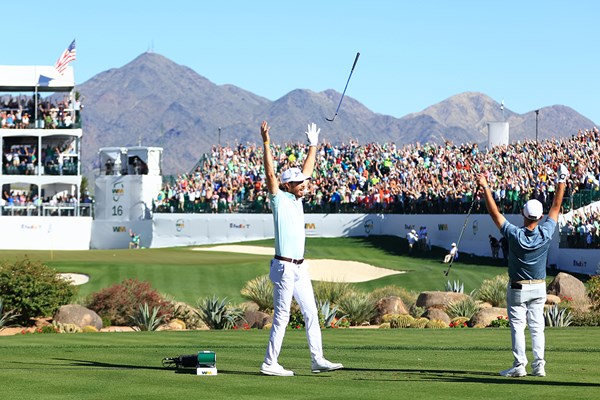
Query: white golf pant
<point x="291" y="280"/>
<point x="526" y="307"/>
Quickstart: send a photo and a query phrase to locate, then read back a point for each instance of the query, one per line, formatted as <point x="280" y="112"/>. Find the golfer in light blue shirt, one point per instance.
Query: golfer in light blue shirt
<point x="527" y="258"/>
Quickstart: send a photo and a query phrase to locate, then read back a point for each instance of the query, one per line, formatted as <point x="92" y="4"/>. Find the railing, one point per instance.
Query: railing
<point x="49" y="210"/>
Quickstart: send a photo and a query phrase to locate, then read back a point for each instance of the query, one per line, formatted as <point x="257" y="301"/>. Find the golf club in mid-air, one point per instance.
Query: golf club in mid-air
<point x="344" y="92"/>
<point x="463" y="229"/>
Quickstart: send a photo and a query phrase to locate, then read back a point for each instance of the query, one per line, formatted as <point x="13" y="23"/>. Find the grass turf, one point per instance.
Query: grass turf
<point x="379" y="364"/>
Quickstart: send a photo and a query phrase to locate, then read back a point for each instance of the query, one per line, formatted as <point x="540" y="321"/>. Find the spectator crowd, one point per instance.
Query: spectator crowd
<point x="386" y="178"/>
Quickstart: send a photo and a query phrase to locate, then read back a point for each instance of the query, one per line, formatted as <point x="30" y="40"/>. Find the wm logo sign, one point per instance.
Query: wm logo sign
<point x="118" y="229"/>
<point x="311" y="225"/>
<point x="442" y="227"/>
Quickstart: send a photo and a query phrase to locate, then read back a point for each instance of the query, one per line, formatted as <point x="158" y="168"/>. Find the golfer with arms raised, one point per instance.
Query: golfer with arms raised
<point x="527" y="258"/>
<point x="289" y="271"/>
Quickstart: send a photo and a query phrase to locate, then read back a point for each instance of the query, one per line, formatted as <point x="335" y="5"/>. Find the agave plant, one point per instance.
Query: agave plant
<point x="218" y="314"/>
<point x="147" y="320"/>
<point x="455" y="286"/>
<point x="556" y="316"/>
<point x="329" y="315"/>
<point x="6" y="316"/>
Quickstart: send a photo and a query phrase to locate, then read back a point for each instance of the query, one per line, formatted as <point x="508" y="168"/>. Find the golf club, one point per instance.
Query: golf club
<point x="344" y="92"/>
<point x="463" y="229"/>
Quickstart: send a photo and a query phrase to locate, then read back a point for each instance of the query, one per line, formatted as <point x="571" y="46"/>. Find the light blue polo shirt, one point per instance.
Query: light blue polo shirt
<point x="288" y="219"/>
<point x="528" y="249"/>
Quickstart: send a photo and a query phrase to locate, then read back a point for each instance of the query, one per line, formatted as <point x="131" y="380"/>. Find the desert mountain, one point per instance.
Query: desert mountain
<point x="156" y="102"/>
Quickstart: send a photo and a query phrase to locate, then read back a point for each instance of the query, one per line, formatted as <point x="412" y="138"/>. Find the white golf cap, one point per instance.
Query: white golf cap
<point x="293" y="175"/>
<point x="413" y="231"/>
<point x="453" y="244"/>
<point x="533" y="210"/>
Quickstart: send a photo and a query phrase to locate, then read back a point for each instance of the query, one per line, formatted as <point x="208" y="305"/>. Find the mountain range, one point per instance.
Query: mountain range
<point x="153" y="101"/>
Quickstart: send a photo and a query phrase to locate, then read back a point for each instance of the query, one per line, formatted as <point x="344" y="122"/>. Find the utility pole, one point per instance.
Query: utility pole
<point x="537" y="113"/>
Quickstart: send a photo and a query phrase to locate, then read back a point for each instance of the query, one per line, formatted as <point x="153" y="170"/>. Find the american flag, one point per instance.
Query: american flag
<point x="65" y="58"/>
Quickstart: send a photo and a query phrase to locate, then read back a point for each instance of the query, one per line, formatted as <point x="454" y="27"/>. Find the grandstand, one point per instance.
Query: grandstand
<point x="41" y="153"/>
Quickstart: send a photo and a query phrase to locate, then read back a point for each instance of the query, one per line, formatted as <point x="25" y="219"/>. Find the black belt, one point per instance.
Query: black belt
<point x="292" y="260"/>
<point x="519" y="284"/>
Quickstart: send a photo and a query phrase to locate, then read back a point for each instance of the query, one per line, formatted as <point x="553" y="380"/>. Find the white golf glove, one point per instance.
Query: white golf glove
<point x="312" y="134"/>
<point x="561" y="174"/>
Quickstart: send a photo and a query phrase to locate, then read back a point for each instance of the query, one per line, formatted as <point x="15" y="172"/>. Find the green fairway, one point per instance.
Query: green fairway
<point x="187" y="275"/>
<point x="380" y="364"/>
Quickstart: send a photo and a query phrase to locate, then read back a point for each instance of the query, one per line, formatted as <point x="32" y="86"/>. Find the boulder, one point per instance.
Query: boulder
<point x="568" y="287"/>
<point x="78" y="315"/>
<point x="389" y="305"/>
<point x="485" y="316"/>
<point x="436" y="313"/>
<point x="256" y="319"/>
<point x="438" y="299"/>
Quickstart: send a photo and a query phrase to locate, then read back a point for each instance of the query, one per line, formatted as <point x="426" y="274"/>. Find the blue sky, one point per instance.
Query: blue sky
<point x="414" y="54"/>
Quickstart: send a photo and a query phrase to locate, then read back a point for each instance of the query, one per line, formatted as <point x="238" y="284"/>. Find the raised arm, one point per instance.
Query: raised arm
<point x="561" y="179"/>
<point x="490" y="204"/>
<point x="272" y="183"/>
<point x="312" y="134"/>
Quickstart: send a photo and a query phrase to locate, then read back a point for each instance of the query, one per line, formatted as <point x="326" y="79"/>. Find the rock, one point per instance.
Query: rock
<point x="438" y="299"/>
<point x="567" y="286"/>
<point x="485" y="316"/>
<point x="436" y="313"/>
<point x="78" y="315"/>
<point x="552" y="299"/>
<point x="389" y="305"/>
<point x="256" y="319"/>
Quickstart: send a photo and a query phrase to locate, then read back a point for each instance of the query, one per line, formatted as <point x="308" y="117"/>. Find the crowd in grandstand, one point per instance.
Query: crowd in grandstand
<point x="412" y="178"/>
<point x="20" y="112"/>
<point x="582" y="230"/>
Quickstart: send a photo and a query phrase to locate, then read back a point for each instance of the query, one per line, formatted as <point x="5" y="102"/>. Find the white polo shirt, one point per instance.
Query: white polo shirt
<point x="288" y="219"/>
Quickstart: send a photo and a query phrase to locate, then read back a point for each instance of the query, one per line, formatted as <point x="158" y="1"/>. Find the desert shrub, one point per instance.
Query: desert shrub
<point x="119" y="302"/>
<point x="556" y="316"/>
<point x="408" y="297"/>
<point x="331" y="291"/>
<point x="416" y="311"/>
<point x="585" y="318"/>
<point x="436" y="324"/>
<point x="385" y="325"/>
<point x="89" y="329"/>
<point x="493" y="291"/>
<point x="593" y="291"/>
<point x="466" y="307"/>
<point x="260" y="291"/>
<point x="219" y="314"/>
<point x="359" y="307"/>
<point x="32" y="289"/>
<point x="419" y="323"/>
<point x="145" y="319"/>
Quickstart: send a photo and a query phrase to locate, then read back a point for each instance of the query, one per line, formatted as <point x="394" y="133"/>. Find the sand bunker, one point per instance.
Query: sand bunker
<point x="319" y="270"/>
<point x="75" y="279"/>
